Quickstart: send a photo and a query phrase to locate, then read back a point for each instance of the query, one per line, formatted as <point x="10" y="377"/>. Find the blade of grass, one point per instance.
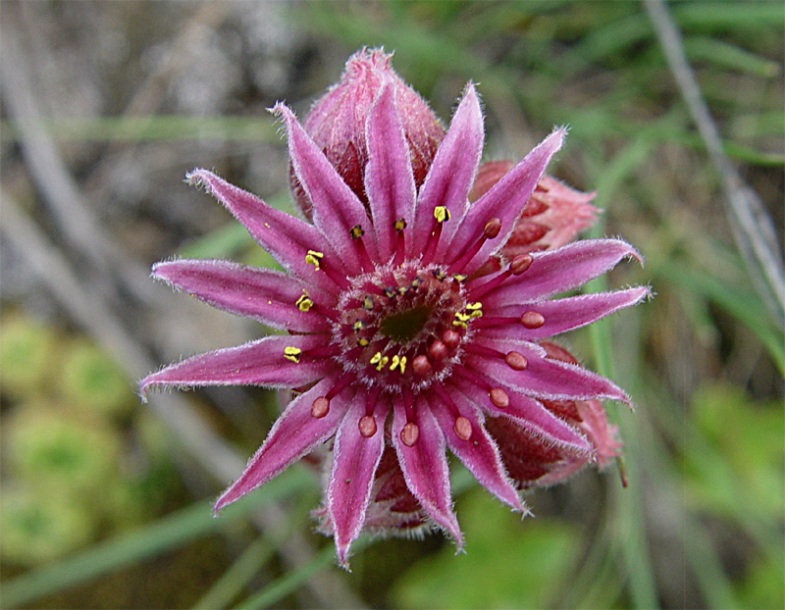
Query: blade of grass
<point x="163" y="535"/>
<point x="172" y="128"/>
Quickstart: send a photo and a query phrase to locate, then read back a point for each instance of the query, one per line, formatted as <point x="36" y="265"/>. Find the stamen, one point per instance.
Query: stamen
<point x="521" y="263"/>
<point x="441" y="214"/>
<point x="400" y="245"/>
<point x="492" y="228"/>
<point x="356" y="232"/>
<point x="358" y="326"/>
<point x="516" y="361"/>
<point x="421" y="365"/>
<point x="304" y="303"/>
<point x="367" y="426"/>
<point x="292" y="354"/>
<point x="410" y="434"/>
<point x="463" y="428"/>
<point x="532" y="319"/>
<point x="363" y="342"/>
<point x="499" y="398"/>
<point x="459" y="277"/>
<point x="368" y="303"/>
<point x="396" y="360"/>
<point x="320" y="407"/>
<point x="312" y="257"/>
<point x="439" y="274"/>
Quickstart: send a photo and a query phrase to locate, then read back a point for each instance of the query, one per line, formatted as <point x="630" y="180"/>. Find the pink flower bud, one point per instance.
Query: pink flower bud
<point x="553" y="217"/>
<point x="337" y="122"/>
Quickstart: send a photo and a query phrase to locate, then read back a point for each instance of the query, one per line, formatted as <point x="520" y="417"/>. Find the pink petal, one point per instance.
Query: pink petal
<point x="526" y="412"/>
<point x="479" y="452"/>
<point x="505" y="201"/>
<point x="424" y="466"/>
<point x="295" y="433"/>
<point x="336" y="209"/>
<point x="267" y="296"/>
<point x="389" y="181"/>
<point x="559" y="270"/>
<point x="543" y="377"/>
<point x="562" y="315"/>
<point x="259" y="362"/>
<point x="451" y="174"/>
<point x="287" y="238"/>
<point x="355" y="460"/>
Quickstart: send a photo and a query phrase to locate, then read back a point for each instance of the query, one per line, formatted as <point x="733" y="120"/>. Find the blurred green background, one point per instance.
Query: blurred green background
<point x="106" y="105"/>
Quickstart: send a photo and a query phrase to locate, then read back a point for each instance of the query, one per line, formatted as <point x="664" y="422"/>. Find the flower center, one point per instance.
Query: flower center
<point x="403" y="326"/>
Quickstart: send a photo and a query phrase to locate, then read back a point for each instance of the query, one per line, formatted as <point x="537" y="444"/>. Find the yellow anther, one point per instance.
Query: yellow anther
<point x="292" y="353"/>
<point x="396" y="360"/>
<point x="441" y="214"/>
<point x="382" y="363"/>
<point x="402" y="290"/>
<point x="357" y="326"/>
<point x="376" y="357"/>
<point x="473" y="306"/>
<point x="460" y="324"/>
<point x="439" y="274"/>
<point x="402" y="365"/>
<point x="357" y="232"/>
<point x="399" y="225"/>
<point x="304" y="303"/>
<point x="312" y="257"/>
<point x="368" y="303"/>
<point x="363" y="342"/>
<point x="476" y="314"/>
<point x="459" y="278"/>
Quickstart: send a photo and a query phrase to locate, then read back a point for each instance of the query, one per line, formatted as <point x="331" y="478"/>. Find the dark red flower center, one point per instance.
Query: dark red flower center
<point x="403" y="325"/>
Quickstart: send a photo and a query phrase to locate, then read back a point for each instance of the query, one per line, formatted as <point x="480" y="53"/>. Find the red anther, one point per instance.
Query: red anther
<point x="451" y="338"/>
<point x="421" y="365"/>
<point x="499" y="398"/>
<point x="532" y="319"/>
<point x="492" y="228"/>
<point x="557" y="352"/>
<point x="438" y="350"/>
<point x="320" y="407"/>
<point x="521" y="263"/>
<point x="516" y="360"/>
<point x="463" y="428"/>
<point x="410" y="434"/>
<point x="367" y="426"/>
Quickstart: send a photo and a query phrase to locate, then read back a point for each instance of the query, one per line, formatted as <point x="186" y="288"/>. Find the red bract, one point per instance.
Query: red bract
<point x="400" y="343"/>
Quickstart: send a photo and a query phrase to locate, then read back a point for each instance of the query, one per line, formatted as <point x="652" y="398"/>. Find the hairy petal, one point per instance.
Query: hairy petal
<point x="259" y="362"/>
<point x="424" y="466"/>
<point x="336" y="209"/>
<point x="287" y="238"/>
<point x="264" y="295"/>
<point x="389" y="180"/>
<point x="478" y="452"/>
<point x="543" y="377"/>
<point x="504" y="201"/>
<point x="355" y="460"/>
<point x="559" y="270"/>
<point x="563" y="315"/>
<point x="295" y="433"/>
<point x="452" y="173"/>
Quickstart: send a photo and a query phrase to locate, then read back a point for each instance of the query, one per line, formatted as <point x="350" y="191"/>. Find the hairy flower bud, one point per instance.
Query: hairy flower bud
<point x="338" y="120"/>
<point x="553" y="217"/>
